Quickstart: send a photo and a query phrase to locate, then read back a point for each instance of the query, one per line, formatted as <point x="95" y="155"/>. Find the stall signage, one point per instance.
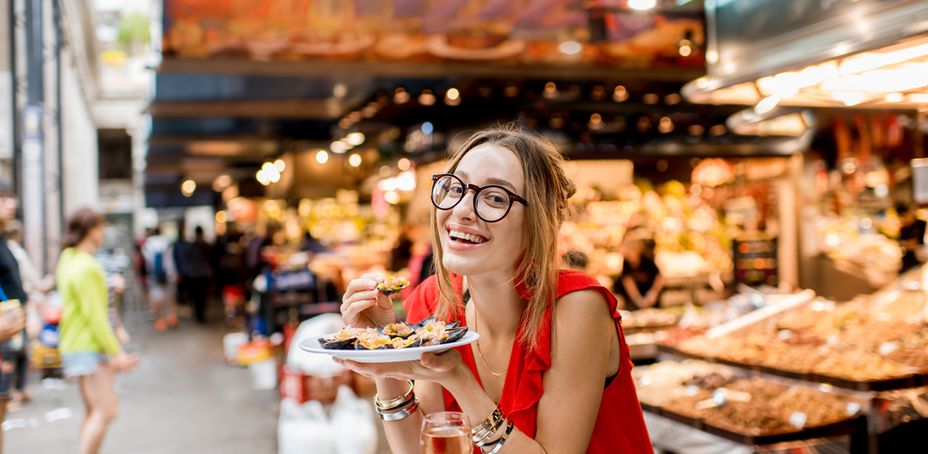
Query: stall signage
<point x="755" y="260"/>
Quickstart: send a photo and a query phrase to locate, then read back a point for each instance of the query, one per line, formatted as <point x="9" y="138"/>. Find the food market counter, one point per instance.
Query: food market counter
<point x="873" y="349"/>
<point x="748" y="409"/>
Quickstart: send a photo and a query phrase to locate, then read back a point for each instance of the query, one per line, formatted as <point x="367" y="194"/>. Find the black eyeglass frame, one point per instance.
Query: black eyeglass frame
<point x="473" y="187"/>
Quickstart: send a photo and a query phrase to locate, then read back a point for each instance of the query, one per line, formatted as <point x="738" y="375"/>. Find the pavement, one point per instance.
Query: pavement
<point x="183" y="398"/>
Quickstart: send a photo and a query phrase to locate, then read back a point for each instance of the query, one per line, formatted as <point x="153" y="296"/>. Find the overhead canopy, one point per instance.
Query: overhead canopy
<point x="244" y="82"/>
<point x="866" y="53"/>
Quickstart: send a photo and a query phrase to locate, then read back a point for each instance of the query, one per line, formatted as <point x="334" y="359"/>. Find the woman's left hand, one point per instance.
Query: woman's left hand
<point x="441" y="368"/>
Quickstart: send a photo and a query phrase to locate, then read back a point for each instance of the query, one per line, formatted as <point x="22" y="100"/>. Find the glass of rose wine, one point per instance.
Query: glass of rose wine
<point x="446" y="432"/>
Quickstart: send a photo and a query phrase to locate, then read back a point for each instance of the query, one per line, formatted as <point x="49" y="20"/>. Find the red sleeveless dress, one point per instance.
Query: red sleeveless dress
<point x="619" y="427"/>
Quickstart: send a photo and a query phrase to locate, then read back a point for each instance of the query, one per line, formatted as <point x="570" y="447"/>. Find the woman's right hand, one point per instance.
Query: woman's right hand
<point x="363" y="306"/>
<point x="124" y="362"/>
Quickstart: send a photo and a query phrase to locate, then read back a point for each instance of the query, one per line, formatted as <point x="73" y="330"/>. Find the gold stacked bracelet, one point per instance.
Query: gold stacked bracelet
<point x="397" y="408"/>
<point x="396" y="402"/>
<point x="488" y="427"/>
<point x="498" y="444"/>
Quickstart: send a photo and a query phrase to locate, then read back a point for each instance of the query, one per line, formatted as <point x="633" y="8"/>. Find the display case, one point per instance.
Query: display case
<point x="872" y="348"/>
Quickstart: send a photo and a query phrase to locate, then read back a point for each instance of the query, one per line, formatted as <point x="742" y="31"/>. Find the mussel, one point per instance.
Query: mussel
<point x="399" y="329"/>
<point x="392" y="285"/>
<point x="455" y="334"/>
<point x="336" y="344"/>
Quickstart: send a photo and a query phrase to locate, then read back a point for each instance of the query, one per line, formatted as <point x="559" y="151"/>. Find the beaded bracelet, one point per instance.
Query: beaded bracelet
<point x="488" y="427"/>
<point x="498" y="444"/>
<point x="396" y="402"/>
<point x="401" y="414"/>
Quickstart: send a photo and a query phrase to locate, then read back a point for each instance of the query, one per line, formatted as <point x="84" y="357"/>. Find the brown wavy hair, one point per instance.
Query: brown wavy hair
<point x="80" y="223"/>
<point x="547" y="189"/>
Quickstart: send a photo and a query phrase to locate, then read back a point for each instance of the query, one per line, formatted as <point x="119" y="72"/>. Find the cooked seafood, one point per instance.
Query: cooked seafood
<point x="395" y="336"/>
<point x="392" y="285"/>
<point x="398" y="330"/>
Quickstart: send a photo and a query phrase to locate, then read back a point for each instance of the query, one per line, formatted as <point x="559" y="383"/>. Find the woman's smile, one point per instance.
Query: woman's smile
<point x="464" y="239"/>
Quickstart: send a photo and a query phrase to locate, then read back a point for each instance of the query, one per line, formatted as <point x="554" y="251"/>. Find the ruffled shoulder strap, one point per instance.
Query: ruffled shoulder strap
<point x="573" y="281"/>
<point x="528" y="387"/>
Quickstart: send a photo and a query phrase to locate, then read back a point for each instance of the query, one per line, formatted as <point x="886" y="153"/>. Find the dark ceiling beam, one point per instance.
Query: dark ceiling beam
<point x="318" y="68"/>
<point x="316" y="109"/>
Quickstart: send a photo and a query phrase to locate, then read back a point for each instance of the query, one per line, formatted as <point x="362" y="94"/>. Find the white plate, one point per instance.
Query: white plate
<point x="387" y="355"/>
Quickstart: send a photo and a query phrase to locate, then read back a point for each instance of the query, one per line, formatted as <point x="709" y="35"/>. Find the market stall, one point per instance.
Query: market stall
<point x="872" y="347"/>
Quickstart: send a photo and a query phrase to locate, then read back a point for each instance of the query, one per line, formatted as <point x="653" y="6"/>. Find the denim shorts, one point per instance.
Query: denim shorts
<point x="79" y="364"/>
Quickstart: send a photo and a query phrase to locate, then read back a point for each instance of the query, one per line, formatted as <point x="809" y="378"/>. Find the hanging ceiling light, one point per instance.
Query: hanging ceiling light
<point x="355" y="138"/>
<point x="452" y="97"/>
<point x="338" y="147"/>
<point x="620" y="94"/>
<point x="322" y="156"/>
<point x="354" y="160"/>
<point x="642" y="5"/>
<point x="426" y="98"/>
<point x="188" y="187"/>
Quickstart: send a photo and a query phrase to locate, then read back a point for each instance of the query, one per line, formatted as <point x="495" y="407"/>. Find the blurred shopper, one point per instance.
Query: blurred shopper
<point x="229" y="264"/>
<point x="11" y="325"/>
<point x="89" y="348"/>
<point x="157" y="252"/>
<point x="34" y="286"/>
<point x="12" y="322"/>
<point x="178" y="255"/>
<point x="402" y="251"/>
<point x="255" y="262"/>
<point x="641" y="282"/>
<point x="911" y="236"/>
<point x="196" y="273"/>
<point x="311" y="244"/>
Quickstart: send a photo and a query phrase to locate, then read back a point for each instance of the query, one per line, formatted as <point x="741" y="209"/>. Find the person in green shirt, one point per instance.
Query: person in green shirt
<point x="90" y="350"/>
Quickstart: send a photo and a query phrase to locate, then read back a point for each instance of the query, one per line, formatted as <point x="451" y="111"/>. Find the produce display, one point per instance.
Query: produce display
<point x="395" y="336"/>
<point x="649" y="318"/>
<point x="752" y="406"/>
<point x="870" y="339"/>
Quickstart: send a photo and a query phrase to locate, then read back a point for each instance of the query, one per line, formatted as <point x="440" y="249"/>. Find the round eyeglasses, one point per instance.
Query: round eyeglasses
<point x="491" y="203"/>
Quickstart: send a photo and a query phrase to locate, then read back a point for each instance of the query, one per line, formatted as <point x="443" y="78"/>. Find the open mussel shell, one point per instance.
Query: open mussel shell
<point x="425" y="322"/>
<point x="455" y="334"/>
<point x="399" y="329"/>
<point x="358" y="346"/>
<point x="378" y="343"/>
<point x="336" y="344"/>
<point x="452" y="325"/>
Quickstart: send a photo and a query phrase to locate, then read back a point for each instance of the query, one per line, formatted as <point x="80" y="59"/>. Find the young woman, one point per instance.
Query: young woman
<point x="551" y="371"/>
<point x="90" y="351"/>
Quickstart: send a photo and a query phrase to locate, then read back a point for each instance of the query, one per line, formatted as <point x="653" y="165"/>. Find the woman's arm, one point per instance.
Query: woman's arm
<point x="631" y="289"/>
<point x="95" y="307"/>
<point x="583" y="335"/>
<point x="403" y="435"/>
<point x="655" y="291"/>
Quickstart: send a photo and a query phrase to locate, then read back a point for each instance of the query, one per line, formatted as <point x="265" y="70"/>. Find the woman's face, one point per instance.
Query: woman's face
<point x="95" y="235"/>
<point x="499" y="244"/>
<point x="8" y="207"/>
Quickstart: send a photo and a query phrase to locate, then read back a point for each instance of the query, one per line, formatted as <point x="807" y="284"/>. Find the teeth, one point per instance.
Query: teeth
<point x="466" y="236"/>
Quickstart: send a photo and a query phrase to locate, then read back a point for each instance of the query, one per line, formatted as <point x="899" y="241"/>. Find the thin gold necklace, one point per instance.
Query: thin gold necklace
<point x="480" y="354"/>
